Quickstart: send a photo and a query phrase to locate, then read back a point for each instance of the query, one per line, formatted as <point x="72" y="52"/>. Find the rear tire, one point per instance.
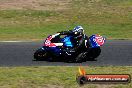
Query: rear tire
<point x="40" y="54"/>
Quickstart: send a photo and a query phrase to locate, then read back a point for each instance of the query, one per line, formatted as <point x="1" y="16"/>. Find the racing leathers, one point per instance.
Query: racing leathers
<point x="76" y="40"/>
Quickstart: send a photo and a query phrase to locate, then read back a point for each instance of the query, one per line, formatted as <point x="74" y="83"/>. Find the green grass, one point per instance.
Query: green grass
<point x="26" y="13"/>
<point x="111" y="18"/>
<point x="51" y="77"/>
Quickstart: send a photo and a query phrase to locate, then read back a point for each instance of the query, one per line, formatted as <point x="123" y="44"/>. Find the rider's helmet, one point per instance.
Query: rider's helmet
<point x="78" y="30"/>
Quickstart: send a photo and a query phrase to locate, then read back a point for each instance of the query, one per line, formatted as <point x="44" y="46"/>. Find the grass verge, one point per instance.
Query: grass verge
<point x="56" y="77"/>
<point x="110" y="18"/>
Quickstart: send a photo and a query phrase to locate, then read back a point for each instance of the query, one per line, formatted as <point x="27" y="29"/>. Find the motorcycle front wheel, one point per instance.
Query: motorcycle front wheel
<point x="94" y="53"/>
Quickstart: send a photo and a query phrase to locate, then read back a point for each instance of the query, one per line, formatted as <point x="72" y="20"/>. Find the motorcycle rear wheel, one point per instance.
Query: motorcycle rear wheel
<point x="40" y="54"/>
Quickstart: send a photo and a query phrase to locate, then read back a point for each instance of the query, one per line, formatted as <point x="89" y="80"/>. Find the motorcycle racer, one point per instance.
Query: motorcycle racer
<point x="72" y="40"/>
<point x="77" y="36"/>
<point x="77" y="32"/>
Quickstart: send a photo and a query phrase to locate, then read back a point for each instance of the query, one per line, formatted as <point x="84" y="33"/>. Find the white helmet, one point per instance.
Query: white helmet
<point x="78" y="29"/>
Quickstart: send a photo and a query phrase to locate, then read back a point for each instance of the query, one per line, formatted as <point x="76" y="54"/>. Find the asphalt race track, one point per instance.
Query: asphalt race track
<point x="114" y="52"/>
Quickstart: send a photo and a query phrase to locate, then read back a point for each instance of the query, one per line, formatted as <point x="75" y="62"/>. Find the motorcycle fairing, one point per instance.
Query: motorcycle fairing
<point x="52" y="47"/>
<point x="96" y="41"/>
<point x="48" y="42"/>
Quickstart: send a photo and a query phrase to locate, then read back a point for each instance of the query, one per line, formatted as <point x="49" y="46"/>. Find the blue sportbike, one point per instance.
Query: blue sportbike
<point x="70" y="46"/>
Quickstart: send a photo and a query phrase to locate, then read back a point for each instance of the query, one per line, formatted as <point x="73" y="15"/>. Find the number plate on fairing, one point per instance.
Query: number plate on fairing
<point x="96" y="40"/>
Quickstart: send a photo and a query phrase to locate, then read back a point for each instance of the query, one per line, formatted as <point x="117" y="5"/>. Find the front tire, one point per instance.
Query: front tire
<point x="94" y="53"/>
